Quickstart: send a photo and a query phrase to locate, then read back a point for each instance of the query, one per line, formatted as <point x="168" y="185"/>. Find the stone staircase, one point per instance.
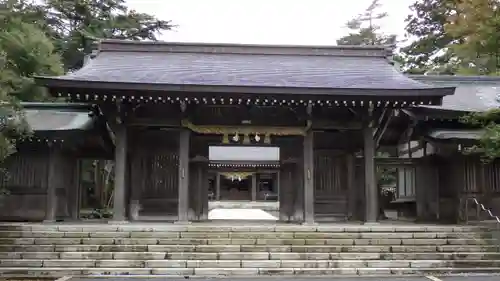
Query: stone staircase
<point x="54" y="250"/>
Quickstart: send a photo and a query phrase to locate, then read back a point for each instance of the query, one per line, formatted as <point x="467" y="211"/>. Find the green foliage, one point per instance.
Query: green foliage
<point x="27" y="52"/>
<point x="430" y="51"/>
<point x="46" y="37"/>
<point x="365" y="31"/>
<point x="76" y="25"/>
<point x="98" y="214"/>
<point x="476" y="23"/>
<point x="489" y="144"/>
<point x="24" y="51"/>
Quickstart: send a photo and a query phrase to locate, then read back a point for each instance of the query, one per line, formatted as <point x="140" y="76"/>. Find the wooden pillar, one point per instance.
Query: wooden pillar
<point x="217" y="186"/>
<point x="183" y="201"/>
<point x="351" y="186"/>
<point x="286" y="191"/>
<point x="308" y="159"/>
<point x="198" y="189"/>
<point x="297" y="188"/>
<point x="254" y="187"/>
<point x="73" y="202"/>
<point x="204" y="185"/>
<point x="276" y="183"/>
<point x="120" y="190"/>
<point x="371" y="190"/>
<point x="54" y="179"/>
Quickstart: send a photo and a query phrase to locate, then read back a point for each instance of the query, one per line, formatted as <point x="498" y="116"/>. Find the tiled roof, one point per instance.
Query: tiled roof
<point x="190" y="64"/>
<point x="58" y="117"/>
<point x="458" y="134"/>
<point x="472" y="93"/>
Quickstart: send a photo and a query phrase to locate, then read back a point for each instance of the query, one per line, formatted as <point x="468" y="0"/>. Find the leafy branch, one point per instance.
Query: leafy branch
<point x="488" y="145"/>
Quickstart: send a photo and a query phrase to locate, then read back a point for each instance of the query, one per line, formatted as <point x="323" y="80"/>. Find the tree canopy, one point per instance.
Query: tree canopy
<point x="458" y="37"/>
<point x="25" y="50"/>
<point x="50" y="37"/>
<point x="429" y="48"/>
<point x="364" y="29"/>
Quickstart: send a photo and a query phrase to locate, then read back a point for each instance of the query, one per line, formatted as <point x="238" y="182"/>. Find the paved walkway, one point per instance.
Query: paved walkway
<point x="240" y="214"/>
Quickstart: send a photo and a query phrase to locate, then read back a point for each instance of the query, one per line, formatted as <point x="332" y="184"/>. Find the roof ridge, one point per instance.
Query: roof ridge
<point x="113" y="45"/>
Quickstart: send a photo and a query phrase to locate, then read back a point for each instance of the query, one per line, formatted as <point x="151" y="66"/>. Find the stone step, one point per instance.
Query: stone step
<point x="253" y="255"/>
<point x="184" y="262"/>
<point x="246" y="235"/>
<point x="213" y="227"/>
<point x="251" y="248"/>
<point x="242" y="241"/>
<point x="55" y="272"/>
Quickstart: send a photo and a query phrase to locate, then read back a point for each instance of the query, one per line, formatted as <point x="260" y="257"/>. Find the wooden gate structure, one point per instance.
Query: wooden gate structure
<point x="328" y="109"/>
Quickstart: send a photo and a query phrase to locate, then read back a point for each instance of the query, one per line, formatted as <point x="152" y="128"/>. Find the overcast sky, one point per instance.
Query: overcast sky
<point x="311" y="22"/>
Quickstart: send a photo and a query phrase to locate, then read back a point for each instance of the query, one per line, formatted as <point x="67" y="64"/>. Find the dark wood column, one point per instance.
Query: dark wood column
<point x="217" y="186"/>
<point x="198" y="188"/>
<point x="371" y="189"/>
<point x="74" y="191"/>
<point x="54" y="181"/>
<point x="309" y="177"/>
<point x="183" y="182"/>
<point x="351" y="186"/>
<point x="287" y="189"/>
<point x="254" y="187"/>
<point x="297" y="186"/>
<point x="120" y="191"/>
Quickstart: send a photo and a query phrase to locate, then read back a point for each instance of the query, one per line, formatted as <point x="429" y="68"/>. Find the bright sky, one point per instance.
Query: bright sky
<point x="302" y="22"/>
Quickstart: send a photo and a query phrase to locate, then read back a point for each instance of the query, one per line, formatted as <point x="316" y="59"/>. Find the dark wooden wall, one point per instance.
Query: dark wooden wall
<point x="444" y="183"/>
<point x="331" y="189"/>
<point x="153" y="166"/>
<point x="27" y="181"/>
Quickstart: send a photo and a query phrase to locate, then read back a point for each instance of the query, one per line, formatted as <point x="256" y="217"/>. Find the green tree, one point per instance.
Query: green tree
<point x="477" y="24"/>
<point x="429" y="51"/>
<point x="25" y="51"/>
<point x="489" y="144"/>
<point x="76" y="25"/>
<point x="364" y="29"/>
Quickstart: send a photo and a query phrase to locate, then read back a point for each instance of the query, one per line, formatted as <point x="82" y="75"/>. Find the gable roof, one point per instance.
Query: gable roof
<point x="198" y="67"/>
<point x="79" y="124"/>
<point x="58" y="116"/>
<point x="472" y="93"/>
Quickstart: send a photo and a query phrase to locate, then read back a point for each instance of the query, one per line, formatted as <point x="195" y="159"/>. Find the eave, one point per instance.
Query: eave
<point x="83" y="91"/>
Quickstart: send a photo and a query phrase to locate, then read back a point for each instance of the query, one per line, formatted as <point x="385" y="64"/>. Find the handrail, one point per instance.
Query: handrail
<point x="479" y="207"/>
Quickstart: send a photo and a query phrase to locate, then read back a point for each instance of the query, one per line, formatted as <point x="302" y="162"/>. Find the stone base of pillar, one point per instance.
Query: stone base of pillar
<point x="371" y="223"/>
<point x="309" y="223"/>
<point x="49" y="221"/>
<point x="118" y="222"/>
<point x="182" y="222"/>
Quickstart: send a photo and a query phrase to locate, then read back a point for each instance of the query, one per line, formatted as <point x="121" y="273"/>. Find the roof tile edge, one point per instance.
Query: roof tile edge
<point x="248" y="49"/>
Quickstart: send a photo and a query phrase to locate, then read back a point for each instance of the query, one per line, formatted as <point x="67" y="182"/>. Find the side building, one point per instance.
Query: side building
<point x="439" y="142"/>
<point x="42" y="177"/>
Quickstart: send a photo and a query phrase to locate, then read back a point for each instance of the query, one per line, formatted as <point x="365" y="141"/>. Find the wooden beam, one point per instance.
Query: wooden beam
<point x="336" y="125"/>
<point x="385" y="124"/>
<point x="406" y="136"/>
<point x="150" y="122"/>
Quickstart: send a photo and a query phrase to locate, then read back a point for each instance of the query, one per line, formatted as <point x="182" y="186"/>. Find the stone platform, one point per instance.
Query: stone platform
<point x="244" y="249"/>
